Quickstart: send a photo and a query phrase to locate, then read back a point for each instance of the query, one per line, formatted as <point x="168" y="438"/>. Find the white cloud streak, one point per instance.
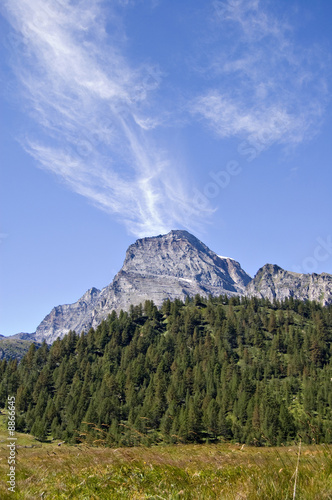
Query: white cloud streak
<point x="87" y="99"/>
<point x="96" y="129"/>
<point x="263" y="86"/>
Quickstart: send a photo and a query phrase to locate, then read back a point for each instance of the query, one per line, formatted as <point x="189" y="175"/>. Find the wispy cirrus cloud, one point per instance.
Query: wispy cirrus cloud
<point x="99" y="117"/>
<point x="89" y="103"/>
<point x="262" y="86"/>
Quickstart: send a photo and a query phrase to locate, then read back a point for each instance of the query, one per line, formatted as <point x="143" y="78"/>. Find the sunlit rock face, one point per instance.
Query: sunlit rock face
<point x="170" y="266"/>
<point x="273" y="282"/>
<point x="177" y="265"/>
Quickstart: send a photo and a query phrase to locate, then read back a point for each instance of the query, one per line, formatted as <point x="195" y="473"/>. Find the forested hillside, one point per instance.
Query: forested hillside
<point x="212" y="369"/>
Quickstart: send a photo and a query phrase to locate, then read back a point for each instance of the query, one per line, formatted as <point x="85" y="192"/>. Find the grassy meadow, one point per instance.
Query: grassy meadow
<point x="206" y="471"/>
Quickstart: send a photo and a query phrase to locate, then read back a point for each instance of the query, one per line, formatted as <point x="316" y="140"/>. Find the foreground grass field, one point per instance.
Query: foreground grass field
<point x="195" y="472"/>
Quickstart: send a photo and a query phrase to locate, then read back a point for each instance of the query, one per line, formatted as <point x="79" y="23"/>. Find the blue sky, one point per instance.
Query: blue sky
<point x="130" y="118"/>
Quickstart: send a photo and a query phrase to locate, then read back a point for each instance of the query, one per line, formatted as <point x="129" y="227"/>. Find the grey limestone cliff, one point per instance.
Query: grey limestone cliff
<point x="177" y="265"/>
<point x="273" y="282"/>
<point x="171" y="266"/>
<point x="67" y="317"/>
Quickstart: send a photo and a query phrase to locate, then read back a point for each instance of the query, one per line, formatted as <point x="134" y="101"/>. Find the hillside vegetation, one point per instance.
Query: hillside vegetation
<point x="234" y="370"/>
<point x="13" y="347"/>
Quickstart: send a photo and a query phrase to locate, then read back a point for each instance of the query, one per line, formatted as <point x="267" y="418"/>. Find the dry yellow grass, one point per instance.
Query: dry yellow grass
<point x="223" y="471"/>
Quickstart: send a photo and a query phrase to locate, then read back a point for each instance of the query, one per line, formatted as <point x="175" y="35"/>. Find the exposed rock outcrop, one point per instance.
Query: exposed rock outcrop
<point x="170" y="266"/>
<point x="273" y="282"/>
<point x="177" y="265"/>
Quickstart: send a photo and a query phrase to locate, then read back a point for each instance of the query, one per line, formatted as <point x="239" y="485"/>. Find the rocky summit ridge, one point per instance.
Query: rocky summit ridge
<point x="274" y="283"/>
<point x="168" y="266"/>
<point x="177" y="265"/>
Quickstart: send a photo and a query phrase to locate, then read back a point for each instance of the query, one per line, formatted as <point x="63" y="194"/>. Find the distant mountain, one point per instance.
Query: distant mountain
<point x="23" y="336"/>
<point x="16" y="346"/>
<point x="273" y="282"/>
<point x="176" y="265"/>
<point x="171" y="266"/>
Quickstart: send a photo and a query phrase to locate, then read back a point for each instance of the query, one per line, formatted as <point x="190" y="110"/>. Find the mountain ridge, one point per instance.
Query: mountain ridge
<point x="274" y="283"/>
<point x="177" y="265"/>
<point x="168" y="266"/>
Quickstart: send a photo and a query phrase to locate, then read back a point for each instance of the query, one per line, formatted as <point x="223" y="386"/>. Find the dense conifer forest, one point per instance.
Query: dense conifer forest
<point x="215" y="369"/>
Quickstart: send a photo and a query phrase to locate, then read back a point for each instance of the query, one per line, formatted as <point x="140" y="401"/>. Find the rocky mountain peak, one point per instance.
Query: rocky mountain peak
<point x="273" y="282"/>
<point x="177" y="265"/>
<point x="181" y="255"/>
<point x="156" y="249"/>
<point x="90" y="295"/>
<point x="174" y="265"/>
<point x="268" y="270"/>
<point x="271" y="268"/>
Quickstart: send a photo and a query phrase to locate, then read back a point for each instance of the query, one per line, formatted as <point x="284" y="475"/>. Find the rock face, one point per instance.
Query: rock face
<point x="61" y="319"/>
<point x="177" y="265"/>
<point x="171" y="266"/>
<point x="273" y="282"/>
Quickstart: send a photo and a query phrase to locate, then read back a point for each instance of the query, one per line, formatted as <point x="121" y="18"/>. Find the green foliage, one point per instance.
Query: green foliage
<point x="216" y="369"/>
<point x="13" y="347"/>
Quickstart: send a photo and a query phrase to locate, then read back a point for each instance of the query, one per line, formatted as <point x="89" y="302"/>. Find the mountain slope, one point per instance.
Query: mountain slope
<point x="67" y="317"/>
<point x="170" y="266"/>
<point x="177" y="265"/>
<point x="16" y="346"/>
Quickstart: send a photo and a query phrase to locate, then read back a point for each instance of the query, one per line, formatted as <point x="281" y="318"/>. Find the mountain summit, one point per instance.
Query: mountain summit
<point x="168" y="266"/>
<point x="273" y="282"/>
<point x="177" y="265"/>
<point x="181" y="256"/>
